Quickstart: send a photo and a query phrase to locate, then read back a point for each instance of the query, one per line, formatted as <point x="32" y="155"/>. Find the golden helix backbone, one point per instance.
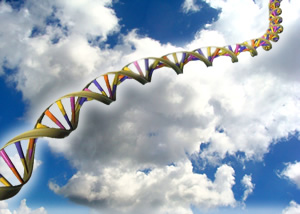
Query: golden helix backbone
<point x="104" y="89"/>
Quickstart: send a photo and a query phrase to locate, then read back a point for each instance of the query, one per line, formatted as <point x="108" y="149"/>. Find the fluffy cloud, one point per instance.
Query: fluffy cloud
<point x="243" y="107"/>
<point x="238" y="24"/>
<point x="248" y="185"/>
<point x="51" y="46"/>
<point x="169" y="189"/>
<point x="23" y="209"/>
<point x="246" y="97"/>
<point x="293" y="208"/>
<point x="89" y="17"/>
<point x="233" y="108"/>
<point x="292" y="172"/>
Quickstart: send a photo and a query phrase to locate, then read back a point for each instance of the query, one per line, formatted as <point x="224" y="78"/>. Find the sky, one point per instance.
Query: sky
<point x="217" y="140"/>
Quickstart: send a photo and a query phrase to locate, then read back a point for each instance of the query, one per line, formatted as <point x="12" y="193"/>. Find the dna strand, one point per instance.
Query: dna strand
<point x="64" y="112"/>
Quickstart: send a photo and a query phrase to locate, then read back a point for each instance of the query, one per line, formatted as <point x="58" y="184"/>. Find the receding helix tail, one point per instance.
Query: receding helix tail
<point x="104" y="88"/>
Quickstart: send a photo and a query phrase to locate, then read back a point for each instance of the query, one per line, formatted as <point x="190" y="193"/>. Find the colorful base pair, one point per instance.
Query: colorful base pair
<point x="64" y="113"/>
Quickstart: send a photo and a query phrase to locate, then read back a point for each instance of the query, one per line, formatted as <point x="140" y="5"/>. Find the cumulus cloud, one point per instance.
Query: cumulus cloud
<point x="248" y="185"/>
<point x="243" y="107"/>
<point x="89" y="17"/>
<point x="293" y="208"/>
<point x="168" y="189"/>
<point x="23" y="209"/>
<point x="292" y="172"/>
<point x="247" y="91"/>
<point x="237" y="24"/>
<point x="252" y="102"/>
<point x="51" y="47"/>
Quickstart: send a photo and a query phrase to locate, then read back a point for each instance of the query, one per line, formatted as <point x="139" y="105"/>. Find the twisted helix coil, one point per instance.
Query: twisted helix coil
<point x="64" y="112"/>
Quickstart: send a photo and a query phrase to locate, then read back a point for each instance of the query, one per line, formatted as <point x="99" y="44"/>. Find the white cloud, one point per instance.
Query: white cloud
<point x="293" y="208"/>
<point x="292" y="172"/>
<point x="168" y="189"/>
<point x="23" y="209"/>
<point x="42" y="63"/>
<point x="245" y="97"/>
<point x="237" y="24"/>
<point x="4" y="208"/>
<point x="190" y="6"/>
<point x="248" y="185"/>
<point x="254" y="102"/>
<point x="89" y="17"/>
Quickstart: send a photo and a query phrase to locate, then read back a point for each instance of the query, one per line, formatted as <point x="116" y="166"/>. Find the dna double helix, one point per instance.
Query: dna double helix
<point x="63" y="114"/>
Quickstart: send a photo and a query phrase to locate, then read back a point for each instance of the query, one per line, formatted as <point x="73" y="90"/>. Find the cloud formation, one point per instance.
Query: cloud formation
<point x="23" y="209"/>
<point x="293" y="208"/>
<point x="168" y="189"/>
<point x="134" y="154"/>
<point x="292" y="172"/>
<point x="52" y="42"/>
<point x="248" y="185"/>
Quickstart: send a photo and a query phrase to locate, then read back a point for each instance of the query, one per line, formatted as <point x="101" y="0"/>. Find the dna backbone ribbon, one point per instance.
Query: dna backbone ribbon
<point x="63" y="114"/>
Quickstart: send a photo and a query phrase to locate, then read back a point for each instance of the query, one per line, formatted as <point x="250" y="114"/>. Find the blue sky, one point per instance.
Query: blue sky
<point x="213" y="140"/>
